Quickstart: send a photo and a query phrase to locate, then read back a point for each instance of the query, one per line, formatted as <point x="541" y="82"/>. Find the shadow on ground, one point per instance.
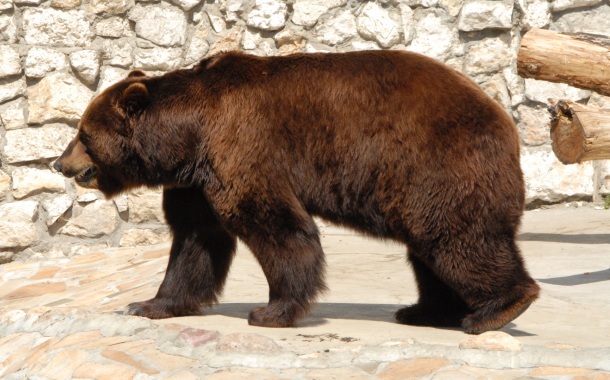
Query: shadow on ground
<point x="579" y="279"/>
<point x="566" y="238"/>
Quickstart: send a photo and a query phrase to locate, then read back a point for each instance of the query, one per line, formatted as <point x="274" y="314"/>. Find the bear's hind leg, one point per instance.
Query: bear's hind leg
<point x="491" y="278"/>
<point x="438" y="305"/>
<point x="200" y="256"/>
<point x="292" y="259"/>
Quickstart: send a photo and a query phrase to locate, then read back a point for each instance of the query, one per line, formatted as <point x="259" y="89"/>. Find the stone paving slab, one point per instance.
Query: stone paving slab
<point x="63" y="318"/>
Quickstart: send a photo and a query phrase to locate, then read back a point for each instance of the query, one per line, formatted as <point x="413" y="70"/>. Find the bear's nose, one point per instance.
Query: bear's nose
<point x="57" y="166"/>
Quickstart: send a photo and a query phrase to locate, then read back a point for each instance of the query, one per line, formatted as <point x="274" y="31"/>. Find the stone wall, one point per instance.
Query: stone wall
<point x="56" y="54"/>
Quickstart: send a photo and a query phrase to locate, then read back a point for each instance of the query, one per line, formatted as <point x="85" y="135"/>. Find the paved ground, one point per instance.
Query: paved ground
<point x="62" y="318"/>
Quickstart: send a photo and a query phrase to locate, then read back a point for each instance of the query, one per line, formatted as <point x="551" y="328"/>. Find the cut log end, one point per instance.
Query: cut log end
<point x="579" y="133"/>
<point x="567" y="135"/>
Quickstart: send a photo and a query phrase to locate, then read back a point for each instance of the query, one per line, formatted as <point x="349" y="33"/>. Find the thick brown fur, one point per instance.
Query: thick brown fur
<point x="392" y="144"/>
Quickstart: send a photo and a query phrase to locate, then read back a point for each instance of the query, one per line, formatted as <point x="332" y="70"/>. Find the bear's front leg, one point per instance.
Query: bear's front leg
<point x="200" y="256"/>
<point x="287" y="246"/>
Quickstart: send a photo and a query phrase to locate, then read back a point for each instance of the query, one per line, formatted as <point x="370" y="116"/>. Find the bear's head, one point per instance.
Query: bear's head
<point x="101" y="156"/>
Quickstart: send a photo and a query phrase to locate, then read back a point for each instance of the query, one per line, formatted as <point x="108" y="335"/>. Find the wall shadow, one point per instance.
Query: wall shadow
<point x="566" y="238"/>
<point x="579" y="279"/>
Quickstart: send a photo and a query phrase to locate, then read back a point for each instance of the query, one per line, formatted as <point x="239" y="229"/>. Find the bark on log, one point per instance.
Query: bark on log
<point x="579" y="133"/>
<point x="581" y="60"/>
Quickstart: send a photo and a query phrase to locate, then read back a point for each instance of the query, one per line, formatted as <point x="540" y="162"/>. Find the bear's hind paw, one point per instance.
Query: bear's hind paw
<point x="418" y="315"/>
<point x="477" y="323"/>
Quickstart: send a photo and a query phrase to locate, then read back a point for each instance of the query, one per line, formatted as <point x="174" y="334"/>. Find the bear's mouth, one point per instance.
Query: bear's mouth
<point x="86" y="175"/>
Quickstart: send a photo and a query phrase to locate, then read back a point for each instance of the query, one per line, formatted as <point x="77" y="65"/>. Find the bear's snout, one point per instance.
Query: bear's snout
<point x="75" y="162"/>
<point x="57" y="166"/>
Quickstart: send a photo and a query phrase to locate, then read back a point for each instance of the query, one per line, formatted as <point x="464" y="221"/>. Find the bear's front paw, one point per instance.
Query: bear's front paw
<point x="157" y="309"/>
<point x="418" y="315"/>
<point x="270" y="316"/>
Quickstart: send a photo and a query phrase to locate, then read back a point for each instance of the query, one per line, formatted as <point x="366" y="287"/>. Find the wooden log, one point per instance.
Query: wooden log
<point x="579" y="133"/>
<point x="581" y="60"/>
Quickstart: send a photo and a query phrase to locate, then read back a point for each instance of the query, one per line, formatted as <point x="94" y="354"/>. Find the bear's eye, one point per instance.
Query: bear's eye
<point x="84" y="138"/>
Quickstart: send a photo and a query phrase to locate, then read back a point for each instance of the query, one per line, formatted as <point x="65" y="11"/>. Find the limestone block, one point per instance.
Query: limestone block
<point x="246" y="342"/>
<point x="408" y="23"/>
<point x="109" y="75"/>
<point x="86" y="63"/>
<point x="549" y="180"/>
<point x="31" y="181"/>
<point x="422" y="3"/>
<point x="41" y="61"/>
<point x="541" y="91"/>
<point x="198" y="47"/>
<point x="599" y="101"/>
<point x="227" y="43"/>
<point x="10" y="64"/>
<point x="10" y="88"/>
<point x="113" y="7"/>
<point x="337" y="29"/>
<point x="118" y="52"/>
<point x="187" y="5"/>
<point x="58" y="96"/>
<point x="33" y="144"/>
<point x="377" y="23"/>
<point x="6" y="256"/>
<point x="53" y="27"/>
<point x="121" y="202"/>
<point x="307" y="12"/>
<point x="198" y="337"/>
<point x="314" y="47"/>
<point x="433" y="37"/>
<point x="56" y="207"/>
<point x="157" y="59"/>
<point x="250" y="39"/>
<point x="488" y="56"/>
<point x="235" y="6"/>
<point x="141" y="236"/>
<point x="416" y="368"/>
<point x="536" y="13"/>
<point x="563" y="5"/>
<point x="5" y="184"/>
<point x="485" y="14"/>
<point x="534" y="125"/>
<point x="593" y="21"/>
<point x="114" y="27"/>
<point x="66" y="4"/>
<point x="27" y="2"/>
<point x="492" y="341"/>
<point x="516" y="85"/>
<point x="63" y="364"/>
<point x="87" y="195"/>
<point x="496" y="88"/>
<point x="453" y="7"/>
<point x="5" y="5"/>
<point x="216" y="20"/>
<point x="145" y="206"/>
<point x="17" y="227"/>
<point x="164" y="25"/>
<point x="233" y="9"/>
<point x="364" y="45"/>
<point x="12" y="114"/>
<point x="97" y="219"/>
<point x="268" y="15"/>
<point x="8" y="29"/>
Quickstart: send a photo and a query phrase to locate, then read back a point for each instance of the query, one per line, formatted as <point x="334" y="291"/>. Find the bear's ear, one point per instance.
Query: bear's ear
<point x="134" y="99"/>
<point x="136" y="73"/>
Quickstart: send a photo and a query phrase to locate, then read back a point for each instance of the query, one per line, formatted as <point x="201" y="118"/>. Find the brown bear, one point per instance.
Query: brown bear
<point x="389" y="143"/>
